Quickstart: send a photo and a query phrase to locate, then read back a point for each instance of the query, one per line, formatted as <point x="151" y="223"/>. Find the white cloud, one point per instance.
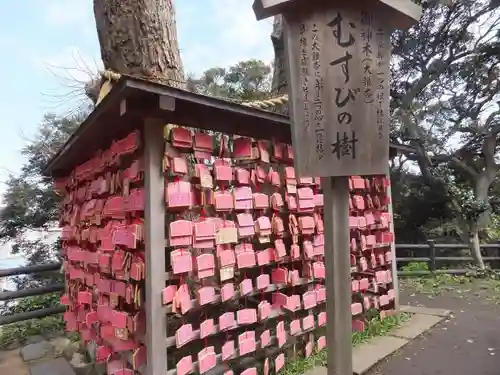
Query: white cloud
<point x="240" y="28"/>
<point x="62" y="13"/>
<point x="236" y="35"/>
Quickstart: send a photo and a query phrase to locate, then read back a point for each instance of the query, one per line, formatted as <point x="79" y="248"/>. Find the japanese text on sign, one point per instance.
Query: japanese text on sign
<point x="367" y="38"/>
<point x="345" y="40"/>
<point x="304" y="75"/>
<point x="339" y="85"/>
<point x="318" y="90"/>
<point x="382" y="78"/>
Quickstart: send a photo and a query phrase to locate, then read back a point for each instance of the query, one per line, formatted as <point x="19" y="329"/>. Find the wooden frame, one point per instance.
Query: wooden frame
<point x="137" y="104"/>
<point x="131" y="100"/>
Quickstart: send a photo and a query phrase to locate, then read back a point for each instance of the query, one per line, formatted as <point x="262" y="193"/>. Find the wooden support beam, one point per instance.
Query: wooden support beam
<point x="154" y="217"/>
<point x="338" y="275"/>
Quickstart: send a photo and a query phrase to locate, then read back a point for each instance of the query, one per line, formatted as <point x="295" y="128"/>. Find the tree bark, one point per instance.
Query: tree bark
<point x="139" y="38"/>
<point x="481" y="188"/>
<point x="280" y="80"/>
<point x="475" y="249"/>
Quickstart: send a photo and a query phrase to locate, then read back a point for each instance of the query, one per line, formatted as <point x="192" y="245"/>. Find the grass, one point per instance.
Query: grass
<point x="15" y="334"/>
<point x="432" y="284"/>
<point x="481" y="285"/>
<point x="375" y="328"/>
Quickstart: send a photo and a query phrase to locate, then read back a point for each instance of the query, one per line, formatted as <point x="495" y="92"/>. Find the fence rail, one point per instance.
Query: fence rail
<point x="429" y="255"/>
<point x="11" y="295"/>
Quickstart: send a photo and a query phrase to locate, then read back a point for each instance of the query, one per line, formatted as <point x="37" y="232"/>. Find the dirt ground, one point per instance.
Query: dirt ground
<point x="11" y="363"/>
<point x="467" y="343"/>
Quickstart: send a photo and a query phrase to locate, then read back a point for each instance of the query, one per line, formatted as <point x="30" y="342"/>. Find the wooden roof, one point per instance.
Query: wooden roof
<point x="132" y="100"/>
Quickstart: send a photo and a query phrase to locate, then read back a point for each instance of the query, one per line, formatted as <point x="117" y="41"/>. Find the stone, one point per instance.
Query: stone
<point x="417" y="325"/>
<point x="100" y="369"/>
<point x="60" y="344"/>
<point x="425" y="310"/>
<point x="365" y="356"/>
<point x="32" y="352"/>
<point x="51" y="335"/>
<point x="73" y="347"/>
<point x="35" y="339"/>
<point x="58" y="366"/>
<point x="80" y="365"/>
<point x="91" y="349"/>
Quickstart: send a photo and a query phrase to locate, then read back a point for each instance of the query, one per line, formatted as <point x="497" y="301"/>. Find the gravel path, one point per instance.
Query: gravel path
<point x="468" y="343"/>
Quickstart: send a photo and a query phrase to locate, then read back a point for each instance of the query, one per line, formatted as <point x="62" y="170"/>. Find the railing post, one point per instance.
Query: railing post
<point x="496" y="263"/>
<point x="432" y="255"/>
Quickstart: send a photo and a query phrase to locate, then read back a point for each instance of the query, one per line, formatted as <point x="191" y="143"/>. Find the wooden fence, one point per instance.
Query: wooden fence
<point x="430" y="252"/>
<point x="439" y="257"/>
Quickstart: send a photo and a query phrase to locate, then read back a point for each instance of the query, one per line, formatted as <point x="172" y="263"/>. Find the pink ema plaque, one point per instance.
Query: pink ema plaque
<point x="207" y="359"/>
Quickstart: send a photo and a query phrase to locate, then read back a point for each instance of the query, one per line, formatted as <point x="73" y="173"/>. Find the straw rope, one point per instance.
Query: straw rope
<point x="111" y="77"/>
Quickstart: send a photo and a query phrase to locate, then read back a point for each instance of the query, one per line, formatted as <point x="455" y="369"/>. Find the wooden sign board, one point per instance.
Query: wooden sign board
<point x="338" y="70"/>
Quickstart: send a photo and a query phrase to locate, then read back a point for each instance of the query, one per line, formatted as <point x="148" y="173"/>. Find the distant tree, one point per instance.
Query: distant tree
<point x="30" y="205"/>
<point x="444" y="94"/>
<point x="445" y="88"/>
<point x="245" y="81"/>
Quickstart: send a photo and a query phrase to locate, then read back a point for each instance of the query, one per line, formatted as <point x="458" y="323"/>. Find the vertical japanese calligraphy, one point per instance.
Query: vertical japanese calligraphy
<point x="345" y="145"/>
<point x="345" y="41"/>
<point x="382" y="82"/>
<point x="318" y="91"/>
<point x="304" y="76"/>
<point x="367" y="54"/>
<point x="338" y="66"/>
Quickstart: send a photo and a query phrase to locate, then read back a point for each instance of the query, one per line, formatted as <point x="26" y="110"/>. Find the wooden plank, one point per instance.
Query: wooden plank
<point x="408" y="12"/>
<point x="154" y="216"/>
<point x="339" y="82"/>
<point x="338" y="274"/>
<point x="400" y="13"/>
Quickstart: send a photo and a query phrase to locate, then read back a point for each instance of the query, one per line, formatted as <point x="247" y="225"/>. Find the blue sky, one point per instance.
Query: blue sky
<point x="48" y="44"/>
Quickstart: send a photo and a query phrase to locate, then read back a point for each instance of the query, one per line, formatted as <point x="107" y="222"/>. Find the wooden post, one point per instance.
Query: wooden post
<point x="432" y="255"/>
<point x="395" y="279"/>
<point x="338" y="275"/>
<point x="154" y="216"/>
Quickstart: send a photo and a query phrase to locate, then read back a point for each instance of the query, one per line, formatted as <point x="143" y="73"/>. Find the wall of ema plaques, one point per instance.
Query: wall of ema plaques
<point x="245" y="254"/>
<point x="103" y="248"/>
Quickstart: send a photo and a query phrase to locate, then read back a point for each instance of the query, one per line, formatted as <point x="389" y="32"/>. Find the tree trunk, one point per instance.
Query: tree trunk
<point x="139" y="38"/>
<point x="280" y="81"/>
<point x="481" y="188"/>
<point x="475" y="250"/>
